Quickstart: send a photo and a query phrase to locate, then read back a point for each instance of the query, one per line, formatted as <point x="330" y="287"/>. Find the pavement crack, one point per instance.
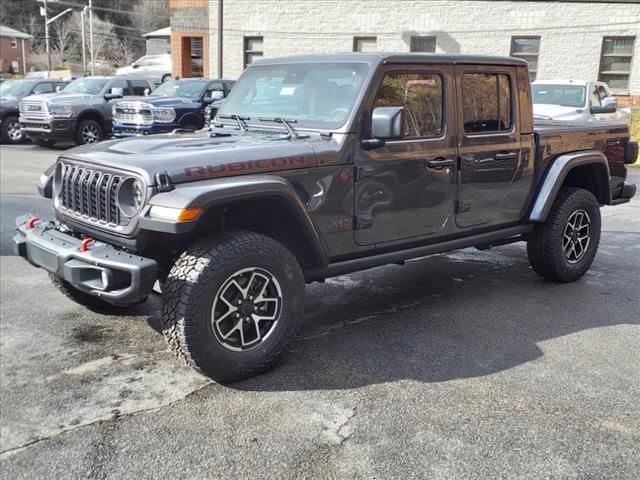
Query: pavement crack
<point x="338" y="428"/>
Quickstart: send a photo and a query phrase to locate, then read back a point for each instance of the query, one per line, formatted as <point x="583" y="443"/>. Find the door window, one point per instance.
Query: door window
<point x="487" y="102"/>
<point x="594" y="98"/>
<point x="139" y="86"/>
<point x="422" y="97"/>
<point x="120" y="84"/>
<point x="43" y="88"/>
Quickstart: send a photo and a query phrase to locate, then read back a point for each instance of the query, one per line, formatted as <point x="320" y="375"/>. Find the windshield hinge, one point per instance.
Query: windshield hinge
<point x="163" y="182"/>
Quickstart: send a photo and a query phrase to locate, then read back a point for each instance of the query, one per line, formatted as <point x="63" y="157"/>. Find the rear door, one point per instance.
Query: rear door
<point x="405" y="188"/>
<point x="490" y="150"/>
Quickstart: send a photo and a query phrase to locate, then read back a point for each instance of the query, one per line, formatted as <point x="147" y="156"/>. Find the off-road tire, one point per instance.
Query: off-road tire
<point x="544" y="244"/>
<point x="81" y="138"/>
<point x="81" y="298"/>
<point x="195" y="281"/>
<point x="6" y="129"/>
<point x="44" y="142"/>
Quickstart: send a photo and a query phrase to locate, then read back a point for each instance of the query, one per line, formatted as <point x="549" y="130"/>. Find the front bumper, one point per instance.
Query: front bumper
<point x="103" y="271"/>
<point x="52" y="129"/>
<point x="123" y="130"/>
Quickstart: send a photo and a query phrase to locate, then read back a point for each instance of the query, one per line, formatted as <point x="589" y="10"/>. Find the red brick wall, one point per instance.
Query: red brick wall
<point x="9" y="54"/>
<point x="629" y="101"/>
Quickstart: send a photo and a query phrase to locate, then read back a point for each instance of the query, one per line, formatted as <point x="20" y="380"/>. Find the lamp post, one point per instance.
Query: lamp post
<point x="47" y="21"/>
<point x="83" y="12"/>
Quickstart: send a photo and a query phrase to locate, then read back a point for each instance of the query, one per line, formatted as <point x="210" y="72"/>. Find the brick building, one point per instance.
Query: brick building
<point x="560" y="39"/>
<point x="15" y="50"/>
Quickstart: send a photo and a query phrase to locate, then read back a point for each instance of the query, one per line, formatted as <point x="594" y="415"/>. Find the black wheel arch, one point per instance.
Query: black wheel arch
<point x="95" y="115"/>
<point x="263" y="204"/>
<point x="587" y="169"/>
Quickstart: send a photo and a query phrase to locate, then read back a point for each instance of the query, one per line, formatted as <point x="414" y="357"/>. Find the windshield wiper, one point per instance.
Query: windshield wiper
<point x="241" y="121"/>
<point x="287" y="124"/>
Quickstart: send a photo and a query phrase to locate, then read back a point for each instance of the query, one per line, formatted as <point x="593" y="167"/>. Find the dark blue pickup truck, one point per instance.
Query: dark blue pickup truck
<point x="174" y="104"/>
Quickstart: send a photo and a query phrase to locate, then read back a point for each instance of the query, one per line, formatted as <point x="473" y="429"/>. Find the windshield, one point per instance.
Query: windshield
<point x="180" y="88"/>
<point x="563" y="95"/>
<point x="313" y="95"/>
<point x="92" y="86"/>
<point x="15" y="88"/>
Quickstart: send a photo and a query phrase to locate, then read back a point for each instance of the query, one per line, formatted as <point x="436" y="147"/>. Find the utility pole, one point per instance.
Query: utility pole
<point x="93" y="60"/>
<point x="43" y="11"/>
<point x="220" y="37"/>
<point x="84" y="53"/>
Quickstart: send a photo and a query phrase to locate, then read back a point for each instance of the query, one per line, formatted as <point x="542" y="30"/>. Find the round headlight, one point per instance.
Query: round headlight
<point x="130" y="197"/>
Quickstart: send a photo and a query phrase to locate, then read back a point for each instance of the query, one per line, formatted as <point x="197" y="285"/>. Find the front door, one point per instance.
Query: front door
<point x="490" y="145"/>
<point x="405" y="189"/>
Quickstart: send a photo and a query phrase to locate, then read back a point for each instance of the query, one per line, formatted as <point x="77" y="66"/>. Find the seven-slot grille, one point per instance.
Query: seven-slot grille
<point x="132" y="113"/>
<point x="34" y="109"/>
<point x="90" y="193"/>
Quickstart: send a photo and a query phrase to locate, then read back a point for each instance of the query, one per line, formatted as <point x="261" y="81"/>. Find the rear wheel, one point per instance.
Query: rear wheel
<point x="10" y="130"/>
<point x="563" y="248"/>
<point x="231" y="304"/>
<point x="166" y="77"/>
<point x="88" y="131"/>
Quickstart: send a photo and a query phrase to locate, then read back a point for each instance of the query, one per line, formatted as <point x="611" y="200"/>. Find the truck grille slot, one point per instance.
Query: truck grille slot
<point x="90" y="193"/>
<point x="133" y="113"/>
<point x="34" y="109"/>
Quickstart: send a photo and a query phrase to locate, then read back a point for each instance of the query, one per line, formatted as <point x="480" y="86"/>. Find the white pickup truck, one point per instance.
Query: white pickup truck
<point x="575" y="100"/>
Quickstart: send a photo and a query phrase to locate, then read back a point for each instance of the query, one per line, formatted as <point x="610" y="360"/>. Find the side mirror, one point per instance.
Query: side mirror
<point x="146" y="92"/>
<point x="609" y="105"/>
<point x="388" y="123"/>
<point x="134" y="65"/>
<point x="116" y="92"/>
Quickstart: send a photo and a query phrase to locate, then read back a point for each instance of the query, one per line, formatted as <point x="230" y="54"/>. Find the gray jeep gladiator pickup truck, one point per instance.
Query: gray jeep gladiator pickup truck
<point x="317" y="166"/>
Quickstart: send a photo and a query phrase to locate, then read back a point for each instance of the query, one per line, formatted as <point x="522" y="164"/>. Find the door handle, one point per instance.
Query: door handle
<point x="501" y="157"/>
<point x="440" y="162"/>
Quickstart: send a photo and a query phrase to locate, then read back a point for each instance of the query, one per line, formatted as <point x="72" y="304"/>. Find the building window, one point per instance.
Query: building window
<point x="527" y="48"/>
<point x="253" y="49"/>
<point x="615" y="62"/>
<point x="422" y="97"/>
<point x="423" y="44"/>
<point x="486" y="102"/>
<point x="14" y="42"/>
<point x="365" y="44"/>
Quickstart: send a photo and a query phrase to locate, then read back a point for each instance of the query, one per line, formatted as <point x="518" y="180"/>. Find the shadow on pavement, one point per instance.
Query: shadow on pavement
<point x="466" y="314"/>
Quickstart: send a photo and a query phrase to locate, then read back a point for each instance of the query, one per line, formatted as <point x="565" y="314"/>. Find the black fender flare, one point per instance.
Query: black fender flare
<point x="92" y="113"/>
<point x="556" y="175"/>
<point x="209" y="194"/>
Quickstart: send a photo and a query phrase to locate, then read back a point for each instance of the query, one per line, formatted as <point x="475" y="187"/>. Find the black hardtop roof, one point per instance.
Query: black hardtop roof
<point x="393" y="57"/>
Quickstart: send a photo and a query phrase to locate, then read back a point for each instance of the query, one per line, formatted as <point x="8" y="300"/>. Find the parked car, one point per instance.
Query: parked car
<point x="174" y="104"/>
<point x="11" y="92"/>
<point x="574" y="101"/>
<point x="157" y="68"/>
<point x="81" y="112"/>
<point x="322" y="165"/>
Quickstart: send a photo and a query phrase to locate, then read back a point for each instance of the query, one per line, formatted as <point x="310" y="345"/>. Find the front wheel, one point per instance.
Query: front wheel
<point x="88" y="131"/>
<point x="10" y="130"/>
<point x="563" y="248"/>
<point x="231" y="303"/>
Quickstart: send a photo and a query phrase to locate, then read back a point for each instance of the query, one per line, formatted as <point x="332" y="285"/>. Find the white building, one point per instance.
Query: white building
<point x="560" y="39"/>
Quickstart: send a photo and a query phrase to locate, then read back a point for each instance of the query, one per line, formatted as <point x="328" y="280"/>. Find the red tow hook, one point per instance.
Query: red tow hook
<point x="84" y="244"/>
<point x="32" y="222"/>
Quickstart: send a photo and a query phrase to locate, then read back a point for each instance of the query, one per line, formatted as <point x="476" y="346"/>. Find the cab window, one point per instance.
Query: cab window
<point x="43" y="88"/>
<point x="139" y="86"/>
<point x="487" y="102"/>
<point x="421" y="96"/>
<point x="119" y="84"/>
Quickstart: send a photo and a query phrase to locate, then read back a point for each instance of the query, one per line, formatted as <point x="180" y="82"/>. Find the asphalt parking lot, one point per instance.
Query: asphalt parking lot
<point x="464" y="365"/>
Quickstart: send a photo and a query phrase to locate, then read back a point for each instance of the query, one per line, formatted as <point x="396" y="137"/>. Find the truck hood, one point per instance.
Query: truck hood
<point x="557" y="111"/>
<point x="192" y="157"/>
<point x="8" y="102"/>
<point x="63" y="98"/>
<point x="164" y="101"/>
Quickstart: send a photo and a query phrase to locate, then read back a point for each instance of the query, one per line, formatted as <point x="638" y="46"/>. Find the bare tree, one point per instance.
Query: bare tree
<point x="67" y="39"/>
<point x="149" y="15"/>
